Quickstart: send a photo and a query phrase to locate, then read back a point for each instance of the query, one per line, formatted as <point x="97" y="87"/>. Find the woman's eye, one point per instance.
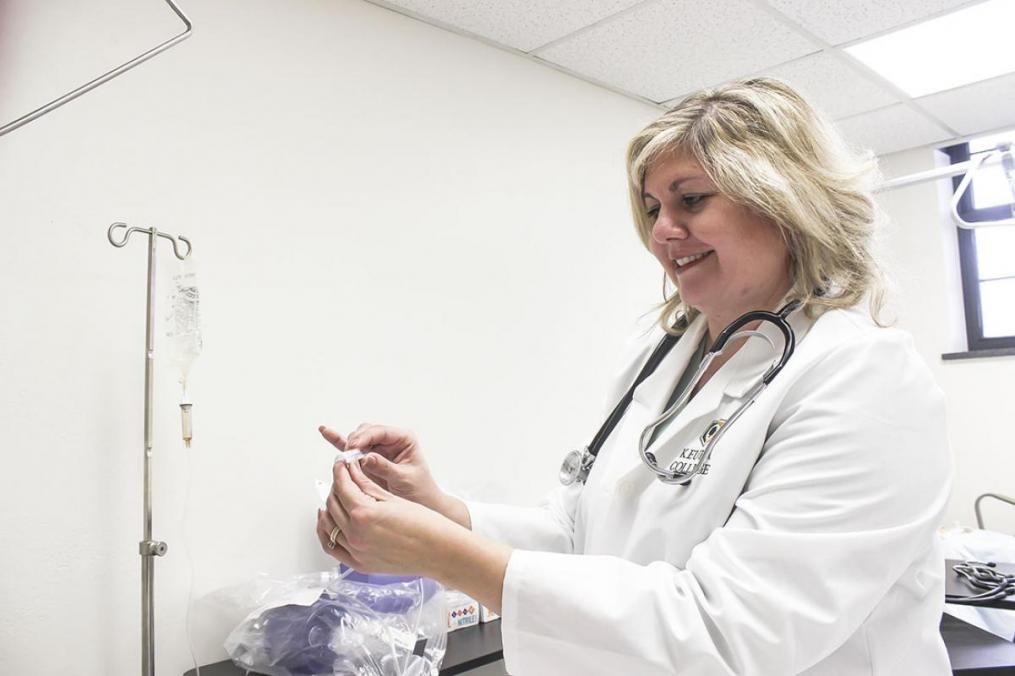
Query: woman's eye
<point x="652" y="212"/>
<point x="693" y="200"/>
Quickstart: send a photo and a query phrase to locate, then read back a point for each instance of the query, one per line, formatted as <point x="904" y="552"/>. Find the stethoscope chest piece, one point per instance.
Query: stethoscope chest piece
<point x="576" y="466"/>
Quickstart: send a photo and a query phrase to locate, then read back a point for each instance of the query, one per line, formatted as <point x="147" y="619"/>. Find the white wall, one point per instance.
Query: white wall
<point x="392" y="224"/>
<point x="922" y="250"/>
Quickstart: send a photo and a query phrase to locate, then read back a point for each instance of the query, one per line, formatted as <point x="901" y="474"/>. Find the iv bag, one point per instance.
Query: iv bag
<point x="184" y="320"/>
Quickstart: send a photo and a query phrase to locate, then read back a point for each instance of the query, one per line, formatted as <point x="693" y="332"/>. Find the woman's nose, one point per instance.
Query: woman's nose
<point x="666" y="227"/>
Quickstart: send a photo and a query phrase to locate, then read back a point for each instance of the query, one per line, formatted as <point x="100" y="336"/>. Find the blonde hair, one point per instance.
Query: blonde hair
<point x="766" y="148"/>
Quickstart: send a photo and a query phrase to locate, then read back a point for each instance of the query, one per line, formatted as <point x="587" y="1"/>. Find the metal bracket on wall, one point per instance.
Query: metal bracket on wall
<point x="106" y="77"/>
<point x="976" y="506"/>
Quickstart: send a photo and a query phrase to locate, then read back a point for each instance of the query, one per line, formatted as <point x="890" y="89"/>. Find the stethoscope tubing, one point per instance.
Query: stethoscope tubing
<point x="578" y="464"/>
<point x="995" y="585"/>
<point x="722" y="341"/>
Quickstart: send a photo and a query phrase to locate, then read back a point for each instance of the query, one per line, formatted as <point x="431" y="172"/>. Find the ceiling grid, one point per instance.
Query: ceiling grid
<point x="657" y="51"/>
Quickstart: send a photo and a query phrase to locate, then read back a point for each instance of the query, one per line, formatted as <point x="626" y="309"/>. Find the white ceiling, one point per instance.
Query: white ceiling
<point x="661" y="50"/>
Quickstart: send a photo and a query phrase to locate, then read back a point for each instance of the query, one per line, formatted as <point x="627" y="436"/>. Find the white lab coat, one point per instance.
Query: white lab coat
<point x="808" y="548"/>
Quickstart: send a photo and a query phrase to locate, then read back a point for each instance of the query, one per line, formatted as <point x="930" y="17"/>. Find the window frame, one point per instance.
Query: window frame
<point x="968" y="265"/>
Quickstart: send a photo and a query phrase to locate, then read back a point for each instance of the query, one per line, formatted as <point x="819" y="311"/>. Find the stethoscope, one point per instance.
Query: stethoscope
<point x="993" y="584"/>
<point x="578" y="464"/>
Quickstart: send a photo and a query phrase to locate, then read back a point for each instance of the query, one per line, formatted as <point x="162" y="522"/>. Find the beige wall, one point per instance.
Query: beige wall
<point x="921" y="247"/>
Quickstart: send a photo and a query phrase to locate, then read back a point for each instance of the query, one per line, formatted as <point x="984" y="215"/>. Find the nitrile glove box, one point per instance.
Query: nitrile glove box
<point x="463" y="610"/>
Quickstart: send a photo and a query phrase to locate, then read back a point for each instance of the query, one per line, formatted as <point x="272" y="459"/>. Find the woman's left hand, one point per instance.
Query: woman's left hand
<point x="380" y="532"/>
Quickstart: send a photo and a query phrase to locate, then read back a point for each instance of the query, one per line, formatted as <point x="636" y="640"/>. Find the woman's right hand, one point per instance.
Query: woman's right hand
<point x="393" y="458"/>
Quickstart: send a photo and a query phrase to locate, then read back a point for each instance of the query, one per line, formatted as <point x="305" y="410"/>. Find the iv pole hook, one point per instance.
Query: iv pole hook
<point x="118" y="243"/>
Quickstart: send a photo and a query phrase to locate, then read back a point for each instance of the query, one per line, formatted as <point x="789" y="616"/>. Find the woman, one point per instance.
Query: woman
<point x="806" y="543"/>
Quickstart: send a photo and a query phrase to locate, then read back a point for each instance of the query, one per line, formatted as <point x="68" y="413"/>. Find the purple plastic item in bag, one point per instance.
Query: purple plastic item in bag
<point x="360" y="624"/>
<point x="383" y="602"/>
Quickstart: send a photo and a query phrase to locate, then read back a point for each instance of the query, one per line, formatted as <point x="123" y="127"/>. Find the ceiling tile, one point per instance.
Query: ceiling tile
<point x="983" y="106"/>
<point x="833" y="85"/>
<point x="891" y="129"/>
<point x="661" y="49"/>
<point x="522" y="24"/>
<point x="846" y="20"/>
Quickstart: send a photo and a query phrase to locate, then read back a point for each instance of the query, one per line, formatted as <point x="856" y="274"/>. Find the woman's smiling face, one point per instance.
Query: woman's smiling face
<point x="724" y="258"/>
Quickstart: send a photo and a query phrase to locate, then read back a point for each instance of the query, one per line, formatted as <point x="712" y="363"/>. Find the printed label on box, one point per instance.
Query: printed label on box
<point x="462" y="612"/>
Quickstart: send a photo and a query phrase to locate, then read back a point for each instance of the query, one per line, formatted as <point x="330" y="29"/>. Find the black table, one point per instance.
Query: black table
<point x="972" y="651"/>
<point x="954" y="584"/>
<point x="468" y="648"/>
<point x="975" y="652"/>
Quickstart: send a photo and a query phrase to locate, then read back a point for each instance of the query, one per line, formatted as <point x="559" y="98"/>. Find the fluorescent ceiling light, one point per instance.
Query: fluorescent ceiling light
<point x="972" y="44"/>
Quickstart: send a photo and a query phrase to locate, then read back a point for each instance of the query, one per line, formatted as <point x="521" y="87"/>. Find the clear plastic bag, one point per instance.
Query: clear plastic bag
<point x="343" y="622"/>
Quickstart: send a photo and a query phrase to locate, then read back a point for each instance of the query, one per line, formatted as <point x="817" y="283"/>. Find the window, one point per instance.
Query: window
<point x="987" y="255"/>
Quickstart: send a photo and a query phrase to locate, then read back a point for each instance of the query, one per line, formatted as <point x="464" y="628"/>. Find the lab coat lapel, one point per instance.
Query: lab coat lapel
<point x="703" y="403"/>
<point x="650" y="397"/>
<point x="655" y="391"/>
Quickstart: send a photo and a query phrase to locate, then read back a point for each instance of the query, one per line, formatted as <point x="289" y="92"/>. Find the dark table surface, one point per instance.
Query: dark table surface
<point x="971" y="650"/>
<point x="954" y="584"/>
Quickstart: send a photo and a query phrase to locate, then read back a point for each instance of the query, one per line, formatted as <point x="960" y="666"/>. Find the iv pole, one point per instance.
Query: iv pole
<point x="148" y="548"/>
